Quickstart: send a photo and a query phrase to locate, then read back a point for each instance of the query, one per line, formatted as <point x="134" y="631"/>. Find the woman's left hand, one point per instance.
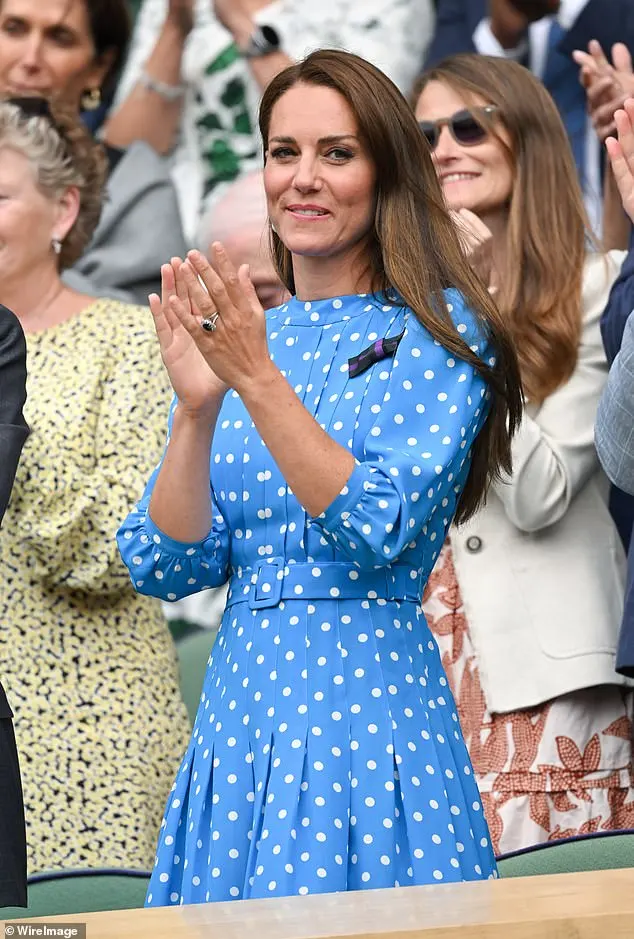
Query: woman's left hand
<point x="236" y="349"/>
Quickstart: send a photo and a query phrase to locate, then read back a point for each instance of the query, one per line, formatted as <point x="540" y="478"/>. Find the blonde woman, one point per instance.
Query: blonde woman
<point x="88" y="665"/>
<point x="526" y="599"/>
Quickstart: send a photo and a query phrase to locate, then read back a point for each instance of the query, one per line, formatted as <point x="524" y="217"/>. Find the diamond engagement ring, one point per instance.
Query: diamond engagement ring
<point x="209" y="323"/>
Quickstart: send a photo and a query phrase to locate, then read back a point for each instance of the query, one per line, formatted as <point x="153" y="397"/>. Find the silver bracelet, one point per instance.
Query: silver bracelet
<point x="169" y="93"/>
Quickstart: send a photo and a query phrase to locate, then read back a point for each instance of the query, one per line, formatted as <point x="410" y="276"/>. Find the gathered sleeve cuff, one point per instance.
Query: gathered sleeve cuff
<point x="161" y="567"/>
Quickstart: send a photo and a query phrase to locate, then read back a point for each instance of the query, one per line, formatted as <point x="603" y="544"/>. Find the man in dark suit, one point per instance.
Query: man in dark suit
<point x="543" y="35"/>
<point x="13" y="433"/>
<point x="613" y="436"/>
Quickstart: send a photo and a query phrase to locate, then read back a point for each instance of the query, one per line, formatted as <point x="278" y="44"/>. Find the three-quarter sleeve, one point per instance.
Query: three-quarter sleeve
<point x="417" y="451"/>
<point x="161" y="567"/>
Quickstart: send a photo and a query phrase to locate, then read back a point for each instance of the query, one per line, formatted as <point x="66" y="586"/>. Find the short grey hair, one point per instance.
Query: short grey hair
<point x="62" y="154"/>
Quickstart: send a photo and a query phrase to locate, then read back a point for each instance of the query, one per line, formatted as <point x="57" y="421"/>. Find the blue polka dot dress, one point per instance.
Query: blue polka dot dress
<point x="326" y="753"/>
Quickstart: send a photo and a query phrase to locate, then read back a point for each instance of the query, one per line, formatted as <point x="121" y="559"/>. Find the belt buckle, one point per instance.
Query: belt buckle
<point x="266" y="583"/>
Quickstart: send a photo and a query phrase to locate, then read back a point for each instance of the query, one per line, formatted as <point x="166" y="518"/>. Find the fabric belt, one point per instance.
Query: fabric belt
<point x="275" y="579"/>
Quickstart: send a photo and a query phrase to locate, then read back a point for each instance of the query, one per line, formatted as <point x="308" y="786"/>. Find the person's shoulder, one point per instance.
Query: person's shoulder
<point x="10" y="328"/>
<point x="12" y="339"/>
<point x="469" y="325"/>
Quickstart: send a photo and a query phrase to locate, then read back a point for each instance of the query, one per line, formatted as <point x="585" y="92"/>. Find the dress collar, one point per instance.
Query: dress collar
<point x="333" y="309"/>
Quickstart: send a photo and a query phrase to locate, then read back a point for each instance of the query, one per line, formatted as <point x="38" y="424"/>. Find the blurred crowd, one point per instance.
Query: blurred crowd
<point x="128" y="136"/>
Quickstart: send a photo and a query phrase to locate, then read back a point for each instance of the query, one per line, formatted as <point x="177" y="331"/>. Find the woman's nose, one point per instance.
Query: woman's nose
<point x="306" y="174"/>
<point x="446" y="147"/>
<point x="31" y="52"/>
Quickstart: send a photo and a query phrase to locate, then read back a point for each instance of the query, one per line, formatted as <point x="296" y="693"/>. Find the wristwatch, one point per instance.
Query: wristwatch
<point x="263" y="41"/>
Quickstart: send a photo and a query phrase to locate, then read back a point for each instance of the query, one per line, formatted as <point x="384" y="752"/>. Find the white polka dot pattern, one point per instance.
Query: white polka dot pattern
<point x="326" y="753"/>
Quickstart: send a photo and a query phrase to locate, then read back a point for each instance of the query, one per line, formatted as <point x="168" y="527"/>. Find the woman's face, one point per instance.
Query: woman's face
<point x="476" y="177"/>
<point x="46" y="48"/>
<point x="28" y="219"/>
<point x="318" y="177"/>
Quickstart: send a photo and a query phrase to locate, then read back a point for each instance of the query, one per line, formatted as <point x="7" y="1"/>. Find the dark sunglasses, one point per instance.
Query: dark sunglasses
<point x="464" y="126"/>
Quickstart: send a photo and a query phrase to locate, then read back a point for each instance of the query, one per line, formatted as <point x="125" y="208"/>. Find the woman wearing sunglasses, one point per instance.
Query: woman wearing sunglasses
<point x="525" y="601"/>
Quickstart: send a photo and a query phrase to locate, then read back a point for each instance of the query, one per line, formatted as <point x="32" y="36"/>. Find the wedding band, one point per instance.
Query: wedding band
<point x="209" y="323"/>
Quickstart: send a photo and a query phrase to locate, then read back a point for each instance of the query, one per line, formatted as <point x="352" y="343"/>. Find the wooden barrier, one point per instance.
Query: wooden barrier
<point x="595" y="905"/>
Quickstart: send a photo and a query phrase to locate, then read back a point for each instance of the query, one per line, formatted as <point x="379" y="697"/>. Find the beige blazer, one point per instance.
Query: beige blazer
<point x="541" y="567"/>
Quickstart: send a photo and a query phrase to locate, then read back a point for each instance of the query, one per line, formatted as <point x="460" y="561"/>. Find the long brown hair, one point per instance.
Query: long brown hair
<point x="541" y="281"/>
<point x="413" y="246"/>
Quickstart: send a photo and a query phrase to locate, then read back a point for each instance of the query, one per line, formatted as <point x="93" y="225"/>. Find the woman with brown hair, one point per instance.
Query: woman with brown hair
<point x="89" y="666"/>
<point x="525" y="601"/>
<point x="344" y="430"/>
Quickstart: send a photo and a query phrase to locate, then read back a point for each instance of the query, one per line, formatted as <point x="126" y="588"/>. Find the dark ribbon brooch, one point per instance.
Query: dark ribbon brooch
<point x="381" y="349"/>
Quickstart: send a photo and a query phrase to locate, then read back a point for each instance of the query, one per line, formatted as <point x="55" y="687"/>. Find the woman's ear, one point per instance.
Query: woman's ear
<point x="66" y="215"/>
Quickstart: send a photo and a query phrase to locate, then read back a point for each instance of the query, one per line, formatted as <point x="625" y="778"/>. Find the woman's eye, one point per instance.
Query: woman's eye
<point x="63" y="37"/>
<point x="281" y="152"/>
<point x="337" y="153"/>
<point x="13" y="27"/>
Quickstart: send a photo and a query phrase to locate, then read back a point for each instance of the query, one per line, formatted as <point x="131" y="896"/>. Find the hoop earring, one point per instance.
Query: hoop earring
<point x="56" y="245"/>
<point x="91" y="99"/>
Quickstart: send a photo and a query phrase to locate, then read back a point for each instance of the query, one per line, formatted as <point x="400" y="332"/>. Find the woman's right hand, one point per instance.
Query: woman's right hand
<point x="196" y="386"/>
<point x="621" y="153"/>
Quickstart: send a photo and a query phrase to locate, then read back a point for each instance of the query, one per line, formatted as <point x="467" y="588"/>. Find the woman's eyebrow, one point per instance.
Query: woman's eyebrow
<point x="331" y="138"/>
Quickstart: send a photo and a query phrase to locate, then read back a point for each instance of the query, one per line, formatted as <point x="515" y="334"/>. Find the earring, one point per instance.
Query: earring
<point x="56" y="245"/>
<point x="91" y="99"/>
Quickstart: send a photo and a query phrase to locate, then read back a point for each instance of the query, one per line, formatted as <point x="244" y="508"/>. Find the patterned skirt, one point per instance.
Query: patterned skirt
<point x="561" y="769"/>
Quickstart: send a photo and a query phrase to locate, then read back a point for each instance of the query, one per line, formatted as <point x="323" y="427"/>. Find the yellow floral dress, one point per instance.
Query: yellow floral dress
<point x="89" y="665"/>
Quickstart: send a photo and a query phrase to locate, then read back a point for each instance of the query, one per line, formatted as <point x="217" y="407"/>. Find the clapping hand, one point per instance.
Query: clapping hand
<point x="194" y="382"/>
<point x="219" y="309"/>
<point x="477" y="243"/>
<point x="607" y="83"/>
<point x="621" y="153"/>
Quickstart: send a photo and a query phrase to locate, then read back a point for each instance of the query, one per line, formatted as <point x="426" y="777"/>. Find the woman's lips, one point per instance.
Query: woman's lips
<point x="308" y="212"/>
